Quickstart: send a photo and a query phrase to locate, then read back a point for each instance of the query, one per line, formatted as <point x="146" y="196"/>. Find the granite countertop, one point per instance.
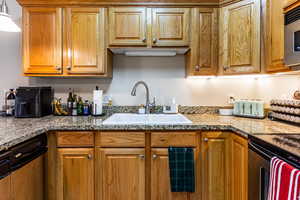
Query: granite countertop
<point x="14" y="131"/>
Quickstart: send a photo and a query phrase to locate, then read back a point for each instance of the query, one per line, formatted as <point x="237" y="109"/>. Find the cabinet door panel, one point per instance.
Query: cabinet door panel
<point x="215" y="166"/>
<point x="170" y="26"/>
<point x="160" y="178"/>
<point x="240" y="37"/>
<point x="127" y="26"/>
<point x="5" y="188"/>
<point x="75" y="174"/>
<point x="85" y="40"/>
<point x="27" y="183"/>
<point x="239" y="173"/>
<point x="204" y="45"/>
<point x="42" y="41"/>
<point x="123" y="173"/>
<point x="274" y="35"/>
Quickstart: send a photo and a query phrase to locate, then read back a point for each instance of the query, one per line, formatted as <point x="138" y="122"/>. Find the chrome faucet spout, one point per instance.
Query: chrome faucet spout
<point x="133" y="93"/>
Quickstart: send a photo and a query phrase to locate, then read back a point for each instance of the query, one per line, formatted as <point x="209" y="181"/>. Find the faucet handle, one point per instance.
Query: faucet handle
<point x="154" y="101"/>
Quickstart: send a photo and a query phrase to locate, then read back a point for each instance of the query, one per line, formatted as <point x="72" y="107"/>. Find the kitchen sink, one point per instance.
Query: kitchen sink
<point x="146" y="119"/>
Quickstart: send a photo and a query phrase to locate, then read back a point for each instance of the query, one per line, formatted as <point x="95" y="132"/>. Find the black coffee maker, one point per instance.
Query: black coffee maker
<point x="32" y="102"/>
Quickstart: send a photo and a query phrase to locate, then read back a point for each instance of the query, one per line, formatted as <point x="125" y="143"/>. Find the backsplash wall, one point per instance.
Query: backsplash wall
<point x="164" y="75"/>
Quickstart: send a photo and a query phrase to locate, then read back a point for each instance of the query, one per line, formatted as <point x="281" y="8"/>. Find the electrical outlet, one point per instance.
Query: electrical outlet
<point x="231" y="99"/>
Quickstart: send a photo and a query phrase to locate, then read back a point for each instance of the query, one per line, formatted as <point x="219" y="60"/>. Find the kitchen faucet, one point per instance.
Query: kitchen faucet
<point x="148" y="104"/>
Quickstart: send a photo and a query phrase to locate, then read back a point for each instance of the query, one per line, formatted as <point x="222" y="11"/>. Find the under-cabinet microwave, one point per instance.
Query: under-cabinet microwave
<point x="292" y="38"/>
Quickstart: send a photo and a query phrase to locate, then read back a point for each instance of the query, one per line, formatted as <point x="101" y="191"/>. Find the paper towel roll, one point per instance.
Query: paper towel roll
<point x="97" y="102"/>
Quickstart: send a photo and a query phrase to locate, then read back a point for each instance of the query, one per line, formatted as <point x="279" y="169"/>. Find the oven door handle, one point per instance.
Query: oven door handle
<point x="252" y="146"/>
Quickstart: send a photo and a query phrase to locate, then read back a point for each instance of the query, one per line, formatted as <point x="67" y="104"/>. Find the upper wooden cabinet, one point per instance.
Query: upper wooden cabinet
<point x="170" y="26"/>
<point x="73" y="45"/>
<point x="42" y="40"/>
<point x="127" y="26"/>
<point x="240" y="37"/>
<point x="203" y="57"/>
<point x="85" y="42"/>
<point x="273" y="19"/>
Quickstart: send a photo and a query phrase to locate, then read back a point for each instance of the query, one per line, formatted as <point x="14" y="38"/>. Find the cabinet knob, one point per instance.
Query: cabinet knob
<point x="154" y="40"/>
<point x="154" y="156"/>
<point x="225" y="68"/>
<point x="68" y="67"/>
<point x="205" y="139"/>
<point x="89" y="156"/>
<point x="58" y="68"/>
<point x="144" y="40"/>
<point x="197" y="68"/>
<point x="142" y="157"/>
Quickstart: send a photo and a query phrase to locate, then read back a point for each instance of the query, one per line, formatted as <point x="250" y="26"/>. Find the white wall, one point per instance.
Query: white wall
<point x="165" y="76"/>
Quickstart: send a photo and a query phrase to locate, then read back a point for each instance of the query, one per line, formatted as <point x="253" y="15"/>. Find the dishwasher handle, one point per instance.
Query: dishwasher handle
<point x="260" y="151"/>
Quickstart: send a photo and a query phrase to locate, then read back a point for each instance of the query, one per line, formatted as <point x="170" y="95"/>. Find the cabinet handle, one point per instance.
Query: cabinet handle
<point x="225" y="68"/>
<point x="154" y="156"/>
<point x="68" y="67"/>
<point x="154" y="40"/>
<point x="144" y="40"/>
<point x="197" y="68"/>
<point x="58" y="68"/>
<point x="142" y="157"/>
<point x="205" y="139"/>
<point x="89" y="156"/>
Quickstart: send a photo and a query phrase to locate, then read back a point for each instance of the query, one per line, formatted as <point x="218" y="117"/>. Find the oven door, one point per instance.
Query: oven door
<point x="258" y="174"/>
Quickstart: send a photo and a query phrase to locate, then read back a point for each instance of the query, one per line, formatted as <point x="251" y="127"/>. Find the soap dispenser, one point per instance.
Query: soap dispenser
<point x="171" y="109"/>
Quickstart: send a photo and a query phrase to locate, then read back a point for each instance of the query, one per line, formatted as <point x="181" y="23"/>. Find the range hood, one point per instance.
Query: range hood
<point x="150" y="52"/>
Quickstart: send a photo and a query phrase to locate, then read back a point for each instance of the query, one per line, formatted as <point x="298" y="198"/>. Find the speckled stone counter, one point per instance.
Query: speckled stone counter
<point x="14" y="131"/>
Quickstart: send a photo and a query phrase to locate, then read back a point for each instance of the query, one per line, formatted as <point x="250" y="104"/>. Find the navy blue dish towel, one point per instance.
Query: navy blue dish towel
<point x="182" y="169"/>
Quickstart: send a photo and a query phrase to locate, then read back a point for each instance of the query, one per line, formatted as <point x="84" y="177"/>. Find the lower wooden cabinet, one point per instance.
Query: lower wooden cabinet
<point x="27" y="183"/>
<point x="224" y="166"/>
<point x="5" y="189"/>
<point x="215" y="147"/>
<point x="122" y="173"/>
<point x="75" y="174"/>
<point x="160" y="177"/>
<point x="140" y="171"/>
<point x="239" y="168"/>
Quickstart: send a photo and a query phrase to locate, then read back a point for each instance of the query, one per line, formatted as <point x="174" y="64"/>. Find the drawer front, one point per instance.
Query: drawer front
<point x="120" y="139"/>
<point x="174" y="139"/>
<point x="75" y="139"/>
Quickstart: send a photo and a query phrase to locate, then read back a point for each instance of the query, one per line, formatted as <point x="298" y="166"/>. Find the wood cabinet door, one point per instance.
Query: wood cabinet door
<point x="42" y="40"/>
<point x="240" y="38"/>
<point x="274" y="35"/>
<point x="127" y="26"/>
<point x="123" y="173"/>
<point x="160" y="177"/>
<point x="239" y="168"/>
<point x="27" y="183"/>
<point x="215" y="159"/>
<point x="204" y="42"/>
<point x="85" y="41"/>
<point x="5" y="188"/>
<point x="170" y="27"/>
<point x="75" y="175"/>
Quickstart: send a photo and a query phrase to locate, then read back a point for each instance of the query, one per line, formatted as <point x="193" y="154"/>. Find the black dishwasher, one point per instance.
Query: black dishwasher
<point x="22" y="164"/>
<point x="259" y="155"/>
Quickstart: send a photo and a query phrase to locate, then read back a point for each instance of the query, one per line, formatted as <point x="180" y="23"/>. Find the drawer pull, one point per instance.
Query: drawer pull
<point x="142" y="157"/>
<point x="205" y="139"/>
<point x="89" y="156"/>
<point x="154" y="156"/>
